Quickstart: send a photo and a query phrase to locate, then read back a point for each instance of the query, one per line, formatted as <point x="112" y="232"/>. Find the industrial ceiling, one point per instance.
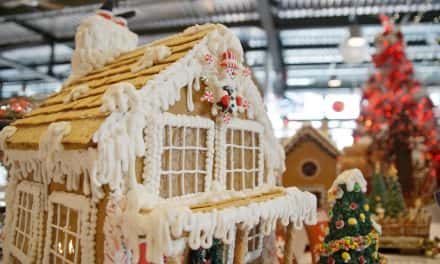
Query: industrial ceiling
<point x="299" y="39"/>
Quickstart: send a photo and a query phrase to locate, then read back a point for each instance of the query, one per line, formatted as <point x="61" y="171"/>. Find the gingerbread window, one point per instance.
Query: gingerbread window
<point x="27" y="222"/>
<point x="68" y="229"/>
<point x="187" y="154"/>
<point x="255" y="243"/>
<point x="240" y="149"/>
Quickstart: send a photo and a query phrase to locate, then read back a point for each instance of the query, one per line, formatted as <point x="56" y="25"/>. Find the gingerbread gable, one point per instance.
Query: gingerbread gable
<point x="307" y="132"/>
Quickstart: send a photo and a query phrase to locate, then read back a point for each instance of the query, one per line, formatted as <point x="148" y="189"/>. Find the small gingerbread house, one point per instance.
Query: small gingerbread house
<point x="311" y="162"/>
<point x="148" y="153"/>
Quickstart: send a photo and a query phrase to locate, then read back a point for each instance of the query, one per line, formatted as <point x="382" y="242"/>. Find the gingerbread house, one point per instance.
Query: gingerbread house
<point x="311" y="162"/>
<point x="150" y="154"/>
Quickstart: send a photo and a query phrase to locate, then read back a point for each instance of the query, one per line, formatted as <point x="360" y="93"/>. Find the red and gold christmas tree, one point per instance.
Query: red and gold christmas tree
<point x="398" y="116"/>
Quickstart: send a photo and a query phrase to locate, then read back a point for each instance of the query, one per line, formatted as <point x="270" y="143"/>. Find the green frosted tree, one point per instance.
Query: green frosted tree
<point x="378" y="189"/>
<point x="394" y="202"/>
<point x="352" y="236"/>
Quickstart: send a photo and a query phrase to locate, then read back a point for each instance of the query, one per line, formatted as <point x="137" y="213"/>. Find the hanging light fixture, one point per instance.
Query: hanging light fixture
<point x="354" y="49"/>
<point x="334" y="82"/>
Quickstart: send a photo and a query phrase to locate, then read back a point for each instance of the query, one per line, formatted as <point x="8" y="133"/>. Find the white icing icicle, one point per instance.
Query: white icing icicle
<point x="76" y="92"/>
<point x="50" y="141"/>
<point x="120" y="139"/>
<point x="97" y="42"/>
<point x="169" y="220"/>
<point x="151" y="56"/>
<point x="350" y="178"/>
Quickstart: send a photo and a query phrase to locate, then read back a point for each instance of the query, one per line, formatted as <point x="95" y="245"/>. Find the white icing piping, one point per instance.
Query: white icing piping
<point x="76" y="92"/>
<point x="120" y="140"/>
<point x="6" y="133"/>
<point x="152" y="55"/>
<point x="97" y="42"/>
<point x="68" y="167"/>
<point x="169" y="220"/>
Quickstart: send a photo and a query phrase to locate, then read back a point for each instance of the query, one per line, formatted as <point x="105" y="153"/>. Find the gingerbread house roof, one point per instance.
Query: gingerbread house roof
<point x="84" y="114"/>
<point x="307" y="132"/>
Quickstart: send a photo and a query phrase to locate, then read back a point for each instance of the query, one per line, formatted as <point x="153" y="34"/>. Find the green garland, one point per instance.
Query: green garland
<point x="213" y="254"/>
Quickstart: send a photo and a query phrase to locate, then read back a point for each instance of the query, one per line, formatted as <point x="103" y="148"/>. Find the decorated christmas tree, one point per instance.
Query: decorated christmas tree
<point x="378" y="190"/>
<point x="394" y="202"/>
<point x="397" y="114"/>
<point x="353" y="236"/>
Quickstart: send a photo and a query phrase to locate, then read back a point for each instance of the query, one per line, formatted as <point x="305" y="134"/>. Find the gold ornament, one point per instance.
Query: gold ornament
<point x="392" y="171"/>
<point x="366" y="207"/>
<point x="362" y="217"/>
<point x="352" y="221"/>
<point x="345" y="256"/>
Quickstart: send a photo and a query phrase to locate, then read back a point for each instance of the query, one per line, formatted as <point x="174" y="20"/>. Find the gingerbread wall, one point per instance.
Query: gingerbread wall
<point x="308" y="150"/>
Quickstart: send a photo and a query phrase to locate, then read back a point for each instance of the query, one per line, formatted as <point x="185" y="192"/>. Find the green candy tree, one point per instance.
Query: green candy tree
<point x="394" y="203"/>
<point x="377" y="195"/>
<point x="353" y="236"/>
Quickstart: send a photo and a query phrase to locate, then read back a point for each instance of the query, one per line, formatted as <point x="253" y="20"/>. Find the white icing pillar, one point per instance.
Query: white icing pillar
<point x="241" y="244"/>
<point x="289" y="256"/>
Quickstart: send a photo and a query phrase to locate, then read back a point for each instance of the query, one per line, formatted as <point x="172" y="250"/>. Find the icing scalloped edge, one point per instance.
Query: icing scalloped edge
<point x="170" y="220"/>
<point x="350" y="178"/>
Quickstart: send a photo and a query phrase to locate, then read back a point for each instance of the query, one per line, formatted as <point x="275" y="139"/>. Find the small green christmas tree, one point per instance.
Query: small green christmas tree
<point x="353" y="236"/>
<point x="377" y="194"/>
<point x="394" y="202"/>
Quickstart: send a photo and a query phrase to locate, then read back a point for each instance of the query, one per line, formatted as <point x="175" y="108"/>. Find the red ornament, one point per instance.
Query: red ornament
<point x="225" y="100"/>
<point x="331" y="260"/>
<point x="362" y="260"/>
<point x="353" y="206"/>
<point x="338" y="106"/>
<point x="339" y="224"/>
<point x="239" y="100"/>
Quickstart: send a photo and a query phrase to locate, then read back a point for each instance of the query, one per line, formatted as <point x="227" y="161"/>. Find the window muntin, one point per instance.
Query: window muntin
<point x="255" y="243"/>
<point x="240" y="145"/>
<point x="187" y="153"/>
<point x="68" y="236"/>
<point x="27" y="221"/>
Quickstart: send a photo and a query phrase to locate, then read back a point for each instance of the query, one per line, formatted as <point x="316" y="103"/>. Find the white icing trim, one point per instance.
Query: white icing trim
<point x="68" y="167"/>
<point x="170" y="219"/>
<point x="152" y="55"/>
<point x="35" y="237"/>
<point x="230" y="249"/>
<point x="85" y="228"/>
<point x="221" y="145"/>
<point x="6" y="133"/>
<point x="76" y="93"/>
<point x="120" y="140"/>
<point x="98" y="41"/>
<point x="350" y="178"/>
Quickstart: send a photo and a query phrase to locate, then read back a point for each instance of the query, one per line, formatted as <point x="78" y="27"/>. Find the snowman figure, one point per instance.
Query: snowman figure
<point x="229" y="101"/>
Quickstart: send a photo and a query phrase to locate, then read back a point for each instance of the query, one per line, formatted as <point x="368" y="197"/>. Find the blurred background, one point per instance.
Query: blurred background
<point x="311" y="58"/>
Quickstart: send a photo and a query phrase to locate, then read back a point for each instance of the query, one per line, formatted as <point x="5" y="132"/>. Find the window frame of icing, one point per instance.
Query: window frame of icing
<point x="253" y="255"/>
<point x="155" y="149"/>
<point x="35" y="190"/>
<point x="221" y="147"/>
<point x="86" y="222"/>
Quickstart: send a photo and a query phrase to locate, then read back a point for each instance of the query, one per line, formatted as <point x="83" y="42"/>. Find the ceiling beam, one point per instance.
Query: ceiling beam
<point x="19" y="66"/>
<point x="273" y="44"/>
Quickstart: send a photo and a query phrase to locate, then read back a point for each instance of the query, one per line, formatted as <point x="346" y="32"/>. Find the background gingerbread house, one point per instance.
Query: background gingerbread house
<point x="165" y="147"/>
<point x="311" y="162"/>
